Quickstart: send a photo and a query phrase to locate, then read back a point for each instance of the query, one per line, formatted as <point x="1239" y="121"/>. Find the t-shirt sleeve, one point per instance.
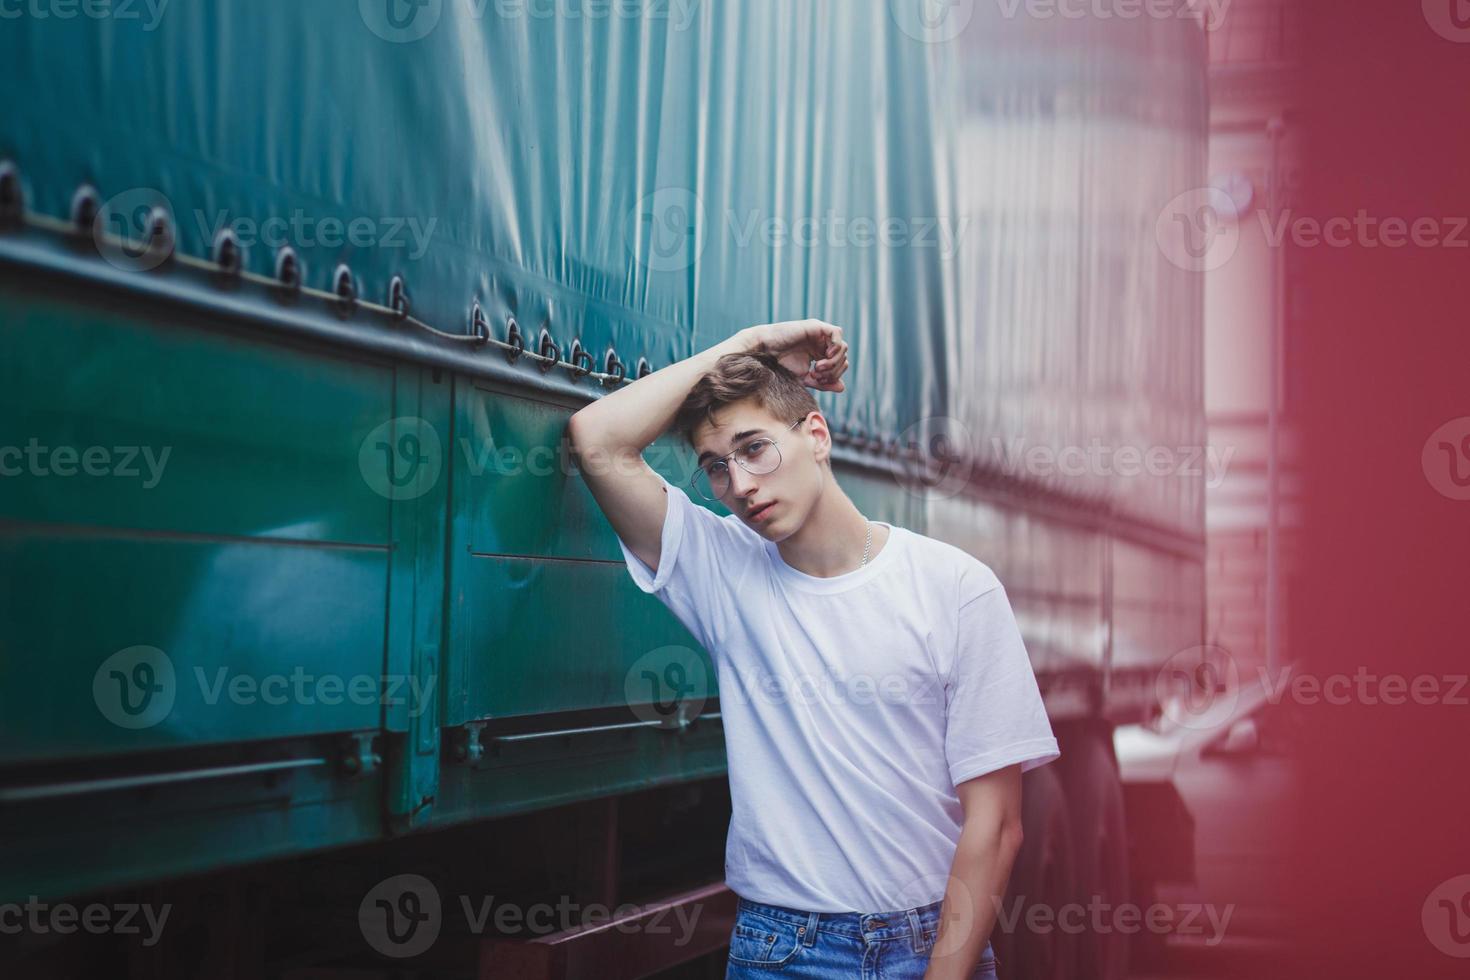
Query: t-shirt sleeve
<point x="700" y="555"/>
<point x="994" y="712"/>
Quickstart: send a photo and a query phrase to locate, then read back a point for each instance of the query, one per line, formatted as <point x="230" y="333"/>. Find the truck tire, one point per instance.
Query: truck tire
<point x="1100" y="846"/>
<point x="1042" y="878"/>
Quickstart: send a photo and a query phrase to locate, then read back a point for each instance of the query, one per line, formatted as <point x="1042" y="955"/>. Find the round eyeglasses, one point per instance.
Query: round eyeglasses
<point x="760" y="456"/>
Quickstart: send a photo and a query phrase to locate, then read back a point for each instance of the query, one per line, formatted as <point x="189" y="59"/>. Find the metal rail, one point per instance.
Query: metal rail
<point x="85" y="787"/>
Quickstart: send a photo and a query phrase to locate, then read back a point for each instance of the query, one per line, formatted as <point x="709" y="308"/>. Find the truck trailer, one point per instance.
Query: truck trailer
<point x="317" y="651"/>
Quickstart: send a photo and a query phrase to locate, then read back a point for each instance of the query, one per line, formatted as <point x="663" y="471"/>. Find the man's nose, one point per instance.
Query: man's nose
<point x="741" y="482"/>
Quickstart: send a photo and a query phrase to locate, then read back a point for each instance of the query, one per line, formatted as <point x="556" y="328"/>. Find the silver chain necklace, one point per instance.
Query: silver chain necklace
<point x="867" y="542"/>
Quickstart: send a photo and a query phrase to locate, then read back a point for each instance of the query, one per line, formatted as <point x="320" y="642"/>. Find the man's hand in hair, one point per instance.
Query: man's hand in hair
<point x="813" y="350"/>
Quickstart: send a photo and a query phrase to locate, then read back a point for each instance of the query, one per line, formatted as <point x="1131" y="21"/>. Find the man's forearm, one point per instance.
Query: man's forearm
<point x="977" y="884"/>
<point x="633" y="416"/>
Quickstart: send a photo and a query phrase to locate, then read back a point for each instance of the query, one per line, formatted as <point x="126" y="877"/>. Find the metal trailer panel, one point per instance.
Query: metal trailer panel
<point x="229" y="532"/>
<point x="1075" y="333"/>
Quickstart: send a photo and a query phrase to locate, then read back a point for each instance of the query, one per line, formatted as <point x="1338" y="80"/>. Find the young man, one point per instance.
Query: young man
<point x="878" y="704"/>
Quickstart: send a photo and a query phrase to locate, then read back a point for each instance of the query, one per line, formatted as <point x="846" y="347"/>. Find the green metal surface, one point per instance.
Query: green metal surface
<point x="254" y="555"/>
<point x="246" y="440"/>
<point x="236" y="625"/>
<point x="77" y="845"/>
<point x="534" y="775"/>
<point x="416" y="619"/>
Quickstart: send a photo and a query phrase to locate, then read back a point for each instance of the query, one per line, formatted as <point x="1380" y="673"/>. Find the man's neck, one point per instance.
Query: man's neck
<point x="830" y="542"/>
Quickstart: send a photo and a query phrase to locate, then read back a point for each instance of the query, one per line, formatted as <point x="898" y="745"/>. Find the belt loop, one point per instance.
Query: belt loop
<point x="811" y="929"/>
<point x="916" y="928"/>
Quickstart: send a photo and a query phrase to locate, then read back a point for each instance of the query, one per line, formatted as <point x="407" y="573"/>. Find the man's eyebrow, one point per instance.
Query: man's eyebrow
<point x="736" y="438"/>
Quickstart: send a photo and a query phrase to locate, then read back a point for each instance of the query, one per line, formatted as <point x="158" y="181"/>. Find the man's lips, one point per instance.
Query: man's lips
<point x="756" y="514"/>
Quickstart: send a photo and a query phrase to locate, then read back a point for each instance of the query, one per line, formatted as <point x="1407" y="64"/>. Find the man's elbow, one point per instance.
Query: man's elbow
<point x="582" y="431"/>
<point x="994" y="834"/>
<point x="577" y="422"/>
<point x="1012" y="835"/>
<point x="597" y="450"/>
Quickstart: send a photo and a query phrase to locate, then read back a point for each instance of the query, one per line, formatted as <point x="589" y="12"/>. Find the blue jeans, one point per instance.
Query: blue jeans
<point x="769" y="940"/>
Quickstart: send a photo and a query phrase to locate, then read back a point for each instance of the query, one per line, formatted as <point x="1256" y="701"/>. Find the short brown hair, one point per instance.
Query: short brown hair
<point x="757" y="374"/>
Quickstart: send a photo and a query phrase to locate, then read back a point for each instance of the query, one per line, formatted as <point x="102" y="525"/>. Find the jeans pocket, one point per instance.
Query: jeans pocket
<point x="763" y="943"/>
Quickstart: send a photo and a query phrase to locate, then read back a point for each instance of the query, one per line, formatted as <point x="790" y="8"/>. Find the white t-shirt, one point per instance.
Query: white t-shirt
<point x="852" y="705"/>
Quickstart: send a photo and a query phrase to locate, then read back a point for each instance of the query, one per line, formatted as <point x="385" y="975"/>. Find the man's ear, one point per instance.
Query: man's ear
<point x="823" y="450"/>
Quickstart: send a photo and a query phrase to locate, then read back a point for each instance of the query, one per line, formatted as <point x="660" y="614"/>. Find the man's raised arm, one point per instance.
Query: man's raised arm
<point x="609" y="435"/>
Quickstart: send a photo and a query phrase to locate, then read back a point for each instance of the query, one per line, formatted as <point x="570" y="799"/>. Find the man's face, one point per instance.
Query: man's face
<point x="776" y="503"/>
